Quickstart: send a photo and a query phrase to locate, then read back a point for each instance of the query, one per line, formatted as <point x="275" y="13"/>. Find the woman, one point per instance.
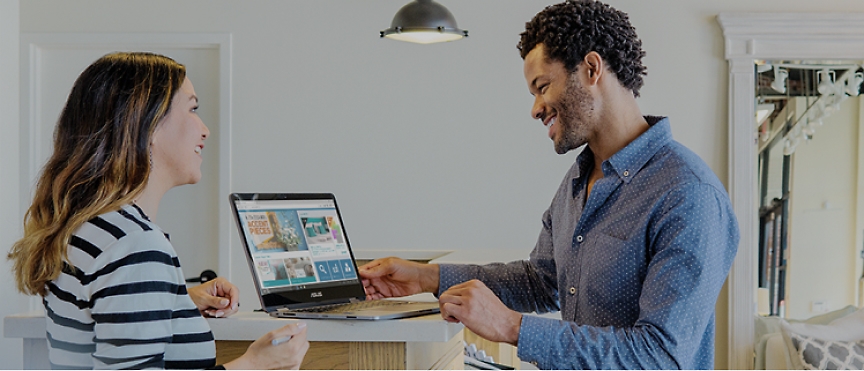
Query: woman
<point x="110" y="280"/>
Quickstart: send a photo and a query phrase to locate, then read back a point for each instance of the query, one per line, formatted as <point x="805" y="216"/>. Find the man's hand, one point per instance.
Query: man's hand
<point x="392" y="277"/>
<point x="215" y="298"/>
<point x="477" y="307"/>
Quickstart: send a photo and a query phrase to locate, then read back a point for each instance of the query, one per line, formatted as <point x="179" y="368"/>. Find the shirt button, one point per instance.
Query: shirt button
<point x="626" y="173"/>
<point x="572" y="291"/>
<point x="579" y="238"/>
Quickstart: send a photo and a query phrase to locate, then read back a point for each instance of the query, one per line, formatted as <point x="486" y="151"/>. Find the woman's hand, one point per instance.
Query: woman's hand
<point x="263" y="355"/>
<point x="215" y="298"/>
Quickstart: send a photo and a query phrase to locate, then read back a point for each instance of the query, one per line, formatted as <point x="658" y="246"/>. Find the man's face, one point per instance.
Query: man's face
<point x="561" y="102"/>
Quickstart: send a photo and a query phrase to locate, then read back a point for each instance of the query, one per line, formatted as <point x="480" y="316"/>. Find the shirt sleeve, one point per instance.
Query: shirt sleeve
<point x="693" y="239"/>
<point x="133" y="295"/>
<point x="524" y="286"/>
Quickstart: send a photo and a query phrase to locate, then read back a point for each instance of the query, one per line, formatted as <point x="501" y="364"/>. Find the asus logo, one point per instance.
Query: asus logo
<point x="317" y="294"/>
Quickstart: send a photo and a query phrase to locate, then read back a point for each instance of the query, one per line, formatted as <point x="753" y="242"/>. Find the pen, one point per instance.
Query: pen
<point x="278" y="341"/>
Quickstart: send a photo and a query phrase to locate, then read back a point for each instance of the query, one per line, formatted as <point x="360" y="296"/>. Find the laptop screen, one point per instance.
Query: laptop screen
<point x="295" y="243"/>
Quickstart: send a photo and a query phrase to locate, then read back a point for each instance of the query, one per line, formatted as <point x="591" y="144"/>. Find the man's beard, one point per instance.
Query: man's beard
<point x="576" y="110"/>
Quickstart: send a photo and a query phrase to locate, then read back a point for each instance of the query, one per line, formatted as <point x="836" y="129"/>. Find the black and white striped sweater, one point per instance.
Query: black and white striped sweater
<point x="122" y="303"/>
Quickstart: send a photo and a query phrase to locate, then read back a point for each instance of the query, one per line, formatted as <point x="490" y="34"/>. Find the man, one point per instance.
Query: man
<point x="639" y="236"/>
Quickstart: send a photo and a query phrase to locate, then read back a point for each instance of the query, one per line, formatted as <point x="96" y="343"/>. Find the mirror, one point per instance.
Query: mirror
<point x="808" y="115"/>
<point x="748" y="38"/>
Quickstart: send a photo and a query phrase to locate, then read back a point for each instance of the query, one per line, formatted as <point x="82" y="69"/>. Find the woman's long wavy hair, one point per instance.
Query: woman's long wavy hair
<point x="101" y="158"/>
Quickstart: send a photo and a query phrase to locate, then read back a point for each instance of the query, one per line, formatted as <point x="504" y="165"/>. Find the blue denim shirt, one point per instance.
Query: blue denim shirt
<point x="635" y="269"/>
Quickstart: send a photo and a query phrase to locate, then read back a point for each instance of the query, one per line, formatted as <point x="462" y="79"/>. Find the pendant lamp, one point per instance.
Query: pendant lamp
<point x="424" y="22"/>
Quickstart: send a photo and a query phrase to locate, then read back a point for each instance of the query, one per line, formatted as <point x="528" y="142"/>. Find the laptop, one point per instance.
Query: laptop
<point x="301" y="260"/>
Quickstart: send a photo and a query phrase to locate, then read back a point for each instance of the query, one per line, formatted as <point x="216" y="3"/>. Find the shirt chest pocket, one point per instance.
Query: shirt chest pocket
<point x="624" y="219"/>
<point x="612" y="269"/>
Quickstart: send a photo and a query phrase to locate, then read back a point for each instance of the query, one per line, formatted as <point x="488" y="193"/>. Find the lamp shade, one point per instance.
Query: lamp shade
<point x="424" y="22"/>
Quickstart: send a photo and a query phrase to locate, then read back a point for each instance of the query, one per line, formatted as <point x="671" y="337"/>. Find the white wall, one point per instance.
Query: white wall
<point x="429" y="138"/>
<point x="822" y="250"/>
<point x="11" y="215"/>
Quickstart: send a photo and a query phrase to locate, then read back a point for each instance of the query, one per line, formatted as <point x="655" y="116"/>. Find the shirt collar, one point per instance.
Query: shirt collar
<point x="627" y="162"/>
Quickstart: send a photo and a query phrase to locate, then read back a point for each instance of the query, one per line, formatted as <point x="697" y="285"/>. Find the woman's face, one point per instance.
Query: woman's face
<point x="179" y="139"/>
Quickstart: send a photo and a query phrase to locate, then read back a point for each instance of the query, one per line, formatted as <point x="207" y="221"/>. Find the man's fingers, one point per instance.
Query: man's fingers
<point x="391" y="288"/>
<point x="451" y="297"/>
<point x="462" y="291"/>
<point x="371" y="270"/>
<point x="381" y="288"/>
<point x="451" y="312"/>
<point x="467" y="285"/>
<point x="369" y="287"/>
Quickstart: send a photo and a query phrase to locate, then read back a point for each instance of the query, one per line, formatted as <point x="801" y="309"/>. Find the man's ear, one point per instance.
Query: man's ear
<point x="595" y="66"/>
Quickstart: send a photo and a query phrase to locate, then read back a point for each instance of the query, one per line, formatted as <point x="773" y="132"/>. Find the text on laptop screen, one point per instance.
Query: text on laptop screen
<point x="296" y="244"/>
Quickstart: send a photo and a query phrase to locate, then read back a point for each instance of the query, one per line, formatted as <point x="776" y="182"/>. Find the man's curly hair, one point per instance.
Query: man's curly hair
<point x="572" y="29"/>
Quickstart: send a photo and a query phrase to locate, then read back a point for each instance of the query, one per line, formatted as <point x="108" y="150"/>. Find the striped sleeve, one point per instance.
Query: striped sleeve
<point x="133" y="303"/>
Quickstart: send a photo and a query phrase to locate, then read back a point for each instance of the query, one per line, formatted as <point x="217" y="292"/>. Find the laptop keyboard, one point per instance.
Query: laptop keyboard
<point x="350" y="307"/>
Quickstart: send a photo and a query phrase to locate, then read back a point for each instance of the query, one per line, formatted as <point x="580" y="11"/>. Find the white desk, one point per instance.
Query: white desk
<point x="414" y="343"/>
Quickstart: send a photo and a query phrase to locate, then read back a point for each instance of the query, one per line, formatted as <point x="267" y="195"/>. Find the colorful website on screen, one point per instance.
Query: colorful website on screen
<point x="295" y="243"/>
